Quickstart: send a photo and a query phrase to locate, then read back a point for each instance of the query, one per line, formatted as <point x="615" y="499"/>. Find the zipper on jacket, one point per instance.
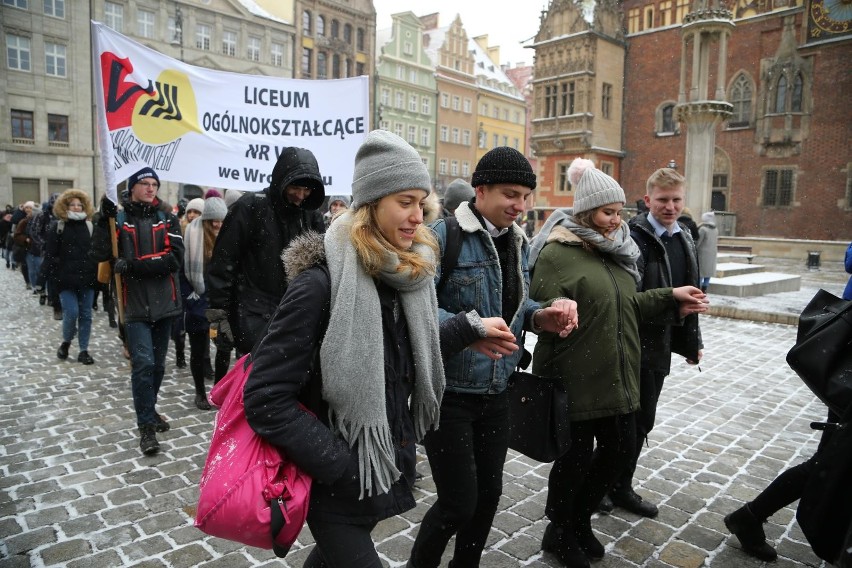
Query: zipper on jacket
<point x="620" y="332"/>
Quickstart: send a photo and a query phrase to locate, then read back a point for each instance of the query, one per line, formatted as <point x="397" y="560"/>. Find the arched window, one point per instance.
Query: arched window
<point x="306" y="23"/>
<point x="796" y="102"/>
<point x="335" y="66"/>
<point x="667" y="119"/>
<point x="335" y="29"/>
<point x="741" y="97"/>
<point x="781" y="95"/>
<point x="347" y="34"/>
<point x="359" y="38"/>
<point x="320" y="26"/>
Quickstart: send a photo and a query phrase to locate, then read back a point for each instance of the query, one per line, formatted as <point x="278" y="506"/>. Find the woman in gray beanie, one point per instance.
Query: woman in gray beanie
<point x="586" y="253"/>
<point x="356" y="339"/>
<point x="199" y="238"/>
<point x="707" y="248"/>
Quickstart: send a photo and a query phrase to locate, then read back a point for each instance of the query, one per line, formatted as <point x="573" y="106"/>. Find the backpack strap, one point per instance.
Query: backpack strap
<point x="452" y="249"/>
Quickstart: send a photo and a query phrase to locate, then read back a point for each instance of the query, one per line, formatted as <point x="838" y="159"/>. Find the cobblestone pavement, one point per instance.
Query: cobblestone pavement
<point x="75" y="490"/>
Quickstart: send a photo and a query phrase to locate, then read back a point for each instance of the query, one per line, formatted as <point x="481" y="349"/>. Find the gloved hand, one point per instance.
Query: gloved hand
<point x="108" y="208"/>
<point x="122" y="266"/>
<point x="219" y="321"/>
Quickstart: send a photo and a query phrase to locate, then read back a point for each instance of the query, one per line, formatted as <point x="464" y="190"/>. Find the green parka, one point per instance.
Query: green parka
<point x="599" y="361"/>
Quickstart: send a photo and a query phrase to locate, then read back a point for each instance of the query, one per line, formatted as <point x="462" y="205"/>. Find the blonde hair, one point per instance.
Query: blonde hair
<point x="209" y="238"/>
<point x="664" y="178"/>
<point x="372" y="247"/>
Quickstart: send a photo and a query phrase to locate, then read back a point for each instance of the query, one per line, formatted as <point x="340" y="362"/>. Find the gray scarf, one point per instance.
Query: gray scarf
<point x="352" y="354"/>
<point x="619" y="244"/>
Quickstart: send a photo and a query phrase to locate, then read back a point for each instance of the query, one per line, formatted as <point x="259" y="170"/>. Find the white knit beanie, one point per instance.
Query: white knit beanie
<point x="196" y="204"/>
<point x="592" y="187"/>
<point x="386" y="164"/>
<point x="214" y="209"/>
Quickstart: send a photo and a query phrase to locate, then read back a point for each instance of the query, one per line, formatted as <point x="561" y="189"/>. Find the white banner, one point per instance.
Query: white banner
<point x="214" y="128"/>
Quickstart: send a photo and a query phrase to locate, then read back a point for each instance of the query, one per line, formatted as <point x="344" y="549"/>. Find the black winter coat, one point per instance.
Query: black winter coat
<point x="67" y="261"/>
<point x="151" y="241"/>
<point x="246" y="275"/>
<point x="659" y="341"/>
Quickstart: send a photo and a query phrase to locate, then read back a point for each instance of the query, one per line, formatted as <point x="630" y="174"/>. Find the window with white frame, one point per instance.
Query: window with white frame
<point x="397" y="129"/>
<point x="468" y="105"/>
<point x="203" y="32"/>
<point x="276" y="51"/>
<point x="454" y="168"/>
<point x="253" y="48"/>
<point x="442" y="166"/>
<point x="407" y="48"/>
<point x="16" y="3"/>
<point x="456" y="138"/>
<point x="412" y="103"/>
<point x="55" y="8"/>
<point x="456" y="102"/>
<point x="496" y="141"/>
<point x="445" y="133"/>
<point x="400" y="72"/>
<point x="54" y="59"/>
<point x="425" y="105"/>
<point x="400" y="100"/>
<point x="466" y="137"/>
<point x="412" y="76"/>
<point x="465" y="169"/>
<point x="114" y="16"/>
<point x="445" y="100"/>
<point x="385" y="97"/>
<point x="384" y="125"/>
<point x="412" y="134"/>
<point x="229" y="43"/>
<point x="425" y="136"/>
<point x="145" y="23"/>
<point x="18" y="52"/>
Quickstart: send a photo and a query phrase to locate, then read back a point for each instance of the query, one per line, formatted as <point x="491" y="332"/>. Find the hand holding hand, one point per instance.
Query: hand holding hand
<point x="494" y="348"/>
<point x="691" y="299"/>
<point x="561" y="317"/>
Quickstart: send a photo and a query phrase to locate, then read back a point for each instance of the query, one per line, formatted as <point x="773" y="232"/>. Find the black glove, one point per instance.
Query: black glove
<point x="219" y="321"/>
<point x="122" y="266"/>
<point x="108" y="208"/>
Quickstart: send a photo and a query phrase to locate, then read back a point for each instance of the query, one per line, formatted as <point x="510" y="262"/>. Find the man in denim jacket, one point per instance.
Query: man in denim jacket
<point x="490" y="284"/>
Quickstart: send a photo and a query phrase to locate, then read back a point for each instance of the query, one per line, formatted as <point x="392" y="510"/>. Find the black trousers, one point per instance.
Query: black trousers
<point x="466" y="454"/>
<point x="650" y="387"/>
<point x="199" y="355"/>
<point x="580" y="478"/>
<point x="341" y="545"/>
<point x="790" y="483"/>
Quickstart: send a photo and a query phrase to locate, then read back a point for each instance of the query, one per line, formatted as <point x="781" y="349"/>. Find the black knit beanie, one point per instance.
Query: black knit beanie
<point x="142" y="174"/>
<point x="503" y="165"/>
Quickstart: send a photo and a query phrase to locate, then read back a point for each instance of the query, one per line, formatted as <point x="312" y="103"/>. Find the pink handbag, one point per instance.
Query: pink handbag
<point x="250" y="493"/>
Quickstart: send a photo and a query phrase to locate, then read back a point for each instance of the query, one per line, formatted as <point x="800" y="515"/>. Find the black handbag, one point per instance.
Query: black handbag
<point x="538" y="416"/>
<point x="822" y="355"/>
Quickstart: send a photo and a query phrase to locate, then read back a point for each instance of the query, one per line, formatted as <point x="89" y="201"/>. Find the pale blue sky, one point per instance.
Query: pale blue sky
<point x="505" y="27"/>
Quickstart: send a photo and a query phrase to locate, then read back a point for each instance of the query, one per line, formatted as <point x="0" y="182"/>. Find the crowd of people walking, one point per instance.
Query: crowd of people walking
<point x="368" y="285"/>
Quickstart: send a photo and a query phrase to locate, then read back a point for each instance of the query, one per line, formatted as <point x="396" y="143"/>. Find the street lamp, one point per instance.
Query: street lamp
<point x="177" y="39"/>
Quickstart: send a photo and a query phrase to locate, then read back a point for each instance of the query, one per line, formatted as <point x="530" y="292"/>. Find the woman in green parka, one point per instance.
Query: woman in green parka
<point x="586" y="254"/>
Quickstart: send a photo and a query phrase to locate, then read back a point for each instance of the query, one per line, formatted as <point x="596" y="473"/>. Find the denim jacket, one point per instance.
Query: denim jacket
<point x="476" y="285"/>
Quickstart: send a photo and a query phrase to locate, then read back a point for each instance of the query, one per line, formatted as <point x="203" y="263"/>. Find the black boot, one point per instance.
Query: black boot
<point x="148" y="442"/>
<point x="85" y="358"/>
<point x="749" y="530"/>
<point x="633" y="502"/>
<point x="162" y="425"/>
<point x="587" y="540"/>
<point x="180" y="360"/>
<point x="560" y="541"/>
<point x="62" y="352"/>
<point x="201" y="402"/>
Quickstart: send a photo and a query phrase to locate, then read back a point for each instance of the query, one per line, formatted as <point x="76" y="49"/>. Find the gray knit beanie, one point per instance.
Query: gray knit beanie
<point x="214" y="209"/>
<point x="231" y="196"/>
<point x="344" y="199"/>
<point x="458" y="191"/>
<point x="386" y="164"/>
<point x="503" y="165"/>
<point x="592" y="187"/>
<point x="196" y="204"/>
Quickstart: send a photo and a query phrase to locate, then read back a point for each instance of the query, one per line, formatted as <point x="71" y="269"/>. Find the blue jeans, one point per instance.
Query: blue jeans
<point x="705" y="282"/>
<point x="148" y="343"/>
<point x="77" y="315"/>
<point x="33" y="266"/>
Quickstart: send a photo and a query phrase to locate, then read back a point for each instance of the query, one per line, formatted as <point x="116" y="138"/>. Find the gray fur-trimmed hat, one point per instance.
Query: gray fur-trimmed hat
<point x="592" y="187"/>
<point x="503" y="165"/>
<point x="386" y="164"/>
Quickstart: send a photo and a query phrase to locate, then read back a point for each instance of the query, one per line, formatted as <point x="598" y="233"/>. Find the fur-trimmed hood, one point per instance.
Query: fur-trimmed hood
<point x="562" y="235"/>
<point x="60" y="208"/>
<point x="469" y="222"/>
<point x="305" y="251"/>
